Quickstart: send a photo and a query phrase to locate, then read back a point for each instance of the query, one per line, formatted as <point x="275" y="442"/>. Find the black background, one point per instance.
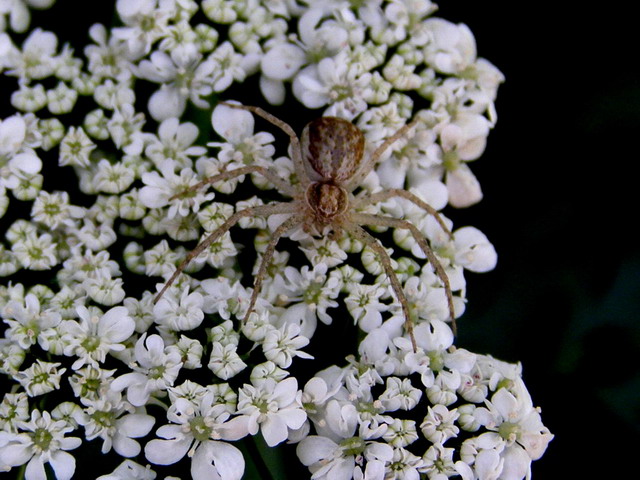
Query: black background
<point x="559" y="207"/>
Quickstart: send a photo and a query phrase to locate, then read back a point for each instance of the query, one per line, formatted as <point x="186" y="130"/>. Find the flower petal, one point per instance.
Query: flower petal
<point x="232" y="124"/>
<point x="217" y="460"/>
<point x="116" y="325"/>
<point x="63" y="464"/>
<point x="167" y="452"/>
<point x="35" y="469"/>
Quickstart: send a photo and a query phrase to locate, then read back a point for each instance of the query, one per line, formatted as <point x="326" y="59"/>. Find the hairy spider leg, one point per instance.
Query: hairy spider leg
<point x="283" y="228"/>
<point x="396" y="192"/>
<point x="259" y="210"/>
<point x="296" y="152"/>
<point x="368" y="164"/>
<point x="384" y="221"/>
<point x="283" y="186"/>
<point x="365" y="237"/>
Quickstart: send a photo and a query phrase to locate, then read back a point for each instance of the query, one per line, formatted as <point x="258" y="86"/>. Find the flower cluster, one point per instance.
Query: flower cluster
<point x="86" y="350"/>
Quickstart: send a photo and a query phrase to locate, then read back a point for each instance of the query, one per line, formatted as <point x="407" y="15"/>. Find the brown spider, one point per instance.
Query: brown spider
<point x="329" y="163"/>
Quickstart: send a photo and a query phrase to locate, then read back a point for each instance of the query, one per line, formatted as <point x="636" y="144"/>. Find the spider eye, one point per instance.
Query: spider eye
<point x="333" y="148"/>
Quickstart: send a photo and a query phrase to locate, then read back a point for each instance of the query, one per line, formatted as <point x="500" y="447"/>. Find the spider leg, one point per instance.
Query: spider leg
<point x="367" y="219"/>
<point x="236" y="172"/>
<point x="365" y="237"/>
<point x="397" y="192"/>
<point x="368" y="165"/>
<point x="283" y="228"/>
<point x="285" y="127"/>
<point x="260" y="210"/>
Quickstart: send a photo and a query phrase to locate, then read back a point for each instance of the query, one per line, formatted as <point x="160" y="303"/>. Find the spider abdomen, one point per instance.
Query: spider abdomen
<point x="333" y="148"/>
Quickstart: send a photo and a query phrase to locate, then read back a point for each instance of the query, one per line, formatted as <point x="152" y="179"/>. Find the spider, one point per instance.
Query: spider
<point x="330" y="164"/>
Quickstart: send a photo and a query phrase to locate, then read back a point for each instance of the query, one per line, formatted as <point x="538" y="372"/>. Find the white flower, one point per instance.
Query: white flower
<point x="195" y="430"/>
<point x="224" y="297"/>
<point x="242" y="145"/>
<point x="518" y="427"/>
<point x="194" y="392"/>
<point x="320" y="389"/>
<point x="400" y="74"/>
<point x="130" y="470"/>
<point x="27" y="322"/>
<point x="224" y="333"/>
<point x="75" y="148"/>
<point x="334" y="81"/>
<point x="91" y="383"/>
<point x="11" y="356"/>
<point x="463" y="140"/>
<point x="189" y="350"/>
<point x="174" y="141"/>
<point x="97" y="236"/>
<point x="267" y="372"/>
<point x="109" y="57"/>
<point x="179" y="314"/>
<point x="145" y="22"/>
<point x="427" y="297"/>
<point x="61" y="99"/>
<point x="131" y="207"/>
<point x="474" y="251"/>
<point x="111" y="95"/>
<point x="401" y="433"/>
<point x="40" y="378"/>
<point x="160" y="260"/>
<point x="273" y="407"/>
<point x="183" y="76"/>
<point x="36" y="252"/>
<point x="96" y="334"/>
<point x="438" y="426"/>
<point x="53" y="210"/>
<point x="229" y="66"/>
<point x="345" y="458"/>
<point x="315" y="292"/>
<point x="282" y="344"/>
<point x="280" y="63"/>
<point x="14" y="408"/>
<point x="400" y="394"/>
<point x="257" y="326"/>
<point x="156" y="370"/>
<point x="16" y="161"/>
<point x="29" y="99"/>
<point x="37" y="59"/>
<point x="225" y="361"/>
<point x="81" y="266"/>
<point x="438" y="460"/>
<point x="363" y="303"/>
<point x="159" y="190"/>
<point x="112" y="177"/>
<point x="451" y="48"/>
<point x="40" y="440"/>
<point x="317" y="40"/>
<point x="103" y="289"/>
<point x="324" y="250"/>
<point x="116" y="422"/>
<point x="219" y="252"/>
<point x="124" y="125"/>
<point x="443" y="376"/>
<point x="403" y="466"/>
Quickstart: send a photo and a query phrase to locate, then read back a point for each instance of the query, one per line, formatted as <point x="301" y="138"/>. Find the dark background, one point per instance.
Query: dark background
<point x="559" y="208"/>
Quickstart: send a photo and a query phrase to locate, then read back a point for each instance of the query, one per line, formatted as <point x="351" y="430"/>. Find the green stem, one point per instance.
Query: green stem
<point x="21" y="470"/>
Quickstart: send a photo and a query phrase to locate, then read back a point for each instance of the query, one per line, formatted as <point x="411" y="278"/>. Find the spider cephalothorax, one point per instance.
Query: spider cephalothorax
<point x="332" y="150"/>
<point x="330" y="163"/>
